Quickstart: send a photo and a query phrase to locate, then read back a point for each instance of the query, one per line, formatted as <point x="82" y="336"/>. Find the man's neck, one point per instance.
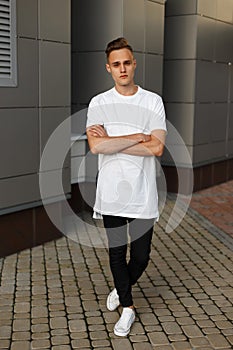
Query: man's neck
<point x="126" y="90"/>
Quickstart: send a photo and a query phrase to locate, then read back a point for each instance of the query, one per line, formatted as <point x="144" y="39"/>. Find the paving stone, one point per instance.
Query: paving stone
<point x="210" y="330"/>
<point x="59" y="331"/>
<point x="100" y="343"/>
<point x="192" y="331"/>
<point x="119" y="344"/>
<point x="181" y="345"/>
<point x="212" y="310"/>
<point x="228" y="331"/>
<point x="39" y="311"/>
<point x="224" y="324"/>
<point x="5" y="344"/>
<point x="77" y="326"/>
<point x="21" y="336"/>
<point x="185" y="321"/>
<point x="40" y="344"/>
<point x="20" y="345"/>
<point x="230" y="339"/>
<point x="94" y="320"/>
<point x="5" y="332"/>
<point x="143" y="346"/>
<point x="96" y="327"/>
<point x="148" y="319"/>
<point x="58" y="322"/>
<point x="44" y="335"/>
<point x="80" y="344"/>
<point x="218" y="341"/>
<point x="21" y="325"/>
<point x="158" y="338"/>
<point x="171" y="328"/>
<point x="60" y="340"/>
<point x="205" y="323"/>
<point x="37" y="328"/>
<point x="199" y="342"/>
<point x="189" y="302"/>
<point x="98" y="335"/>
<point x="176" y="337"/>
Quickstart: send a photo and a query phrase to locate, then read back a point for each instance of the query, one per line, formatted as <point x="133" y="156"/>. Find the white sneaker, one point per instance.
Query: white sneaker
<point x="122" y="327"/>
<point x="113" y="300"/>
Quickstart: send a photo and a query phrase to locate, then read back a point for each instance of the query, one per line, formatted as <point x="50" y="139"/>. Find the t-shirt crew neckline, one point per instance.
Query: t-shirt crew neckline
<point x="128" y="97"/>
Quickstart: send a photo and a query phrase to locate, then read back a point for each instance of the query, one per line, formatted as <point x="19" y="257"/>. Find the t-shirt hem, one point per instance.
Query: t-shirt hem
<point x="99" y="215"/>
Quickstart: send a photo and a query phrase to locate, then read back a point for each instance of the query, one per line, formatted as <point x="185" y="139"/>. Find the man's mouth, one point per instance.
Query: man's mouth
<point x="124" y="76"/>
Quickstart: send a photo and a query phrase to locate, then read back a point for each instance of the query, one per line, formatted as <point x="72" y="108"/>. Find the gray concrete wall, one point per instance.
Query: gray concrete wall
<point x="198" y="76"/>
<point x="30" y="112"/>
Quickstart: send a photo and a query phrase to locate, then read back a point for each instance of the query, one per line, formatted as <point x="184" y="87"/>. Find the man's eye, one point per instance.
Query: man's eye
<point x="116" y="64"/>
<point x="128" y="63"/>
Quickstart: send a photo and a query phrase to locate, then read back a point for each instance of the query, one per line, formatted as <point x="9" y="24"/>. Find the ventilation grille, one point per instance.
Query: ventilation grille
<point x="7" y="43"/>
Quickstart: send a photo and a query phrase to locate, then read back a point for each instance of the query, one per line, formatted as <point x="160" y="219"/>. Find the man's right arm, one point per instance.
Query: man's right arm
<point x="101" y="143"/>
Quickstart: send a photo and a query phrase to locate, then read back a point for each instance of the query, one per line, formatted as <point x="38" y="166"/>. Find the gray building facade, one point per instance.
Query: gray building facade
<point x="184" y="50"/>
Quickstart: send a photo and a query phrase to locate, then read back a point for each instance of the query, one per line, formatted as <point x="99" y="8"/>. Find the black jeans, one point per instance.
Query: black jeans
<point x="125" y="274"/>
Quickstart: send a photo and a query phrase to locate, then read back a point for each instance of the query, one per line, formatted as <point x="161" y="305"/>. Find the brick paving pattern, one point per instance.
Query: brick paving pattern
<point x="216" y="204"/>
<point x="53" y="296"/>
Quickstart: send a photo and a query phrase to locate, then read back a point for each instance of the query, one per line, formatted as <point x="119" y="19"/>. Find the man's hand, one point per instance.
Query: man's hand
<point x="97" y="131"/>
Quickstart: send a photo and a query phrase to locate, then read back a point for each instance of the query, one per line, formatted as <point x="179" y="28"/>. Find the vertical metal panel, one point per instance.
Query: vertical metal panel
<point x="27" y="12"/>
<point x="208" y="153"/>
<point x="54" y="20"/>
<point x="202" y="130"/>
<point x="230" y="74"/>
<point x="50" y="119"/>
<point x="95" y="23"/>
<point x="224" y="10"/>
<point x="54" y="74"/>
<point x="206" y="38"/>
<point x="181" y="7"/>
<point x="230" y="130"/>
<point x="181" y="116"/>
<point x="224" y="42"/>
<point x="89" y="75"/>
<point x="154" y="27"/>
<point x="134" y="23"/>
<point x="211" y="82"/>
<point x="154" y="73"/>
<point x="179" y="80"/>
<point x="19" y="142"/>
<point x="18" y="190"/>
<point x="218" y="122"/>
<point x="180" y="37"/>
<point x="207" y="8"/>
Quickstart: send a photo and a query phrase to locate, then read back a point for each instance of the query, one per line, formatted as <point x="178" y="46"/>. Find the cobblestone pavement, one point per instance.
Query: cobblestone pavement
<point x="53" y="296"/>
<point x="216" y="204"/>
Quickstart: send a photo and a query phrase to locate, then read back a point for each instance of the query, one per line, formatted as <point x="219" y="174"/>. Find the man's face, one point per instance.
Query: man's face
<point x="121" y="65"/>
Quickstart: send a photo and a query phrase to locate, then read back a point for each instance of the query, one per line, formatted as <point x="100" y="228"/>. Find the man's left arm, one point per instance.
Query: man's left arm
<point x="153" y="147"/>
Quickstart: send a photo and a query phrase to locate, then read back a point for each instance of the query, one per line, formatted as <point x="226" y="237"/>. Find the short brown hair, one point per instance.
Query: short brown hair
<point x="117" y="44"/>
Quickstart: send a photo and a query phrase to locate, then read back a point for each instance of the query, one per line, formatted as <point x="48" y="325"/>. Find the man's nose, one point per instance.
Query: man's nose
<point x="122" y="67"/>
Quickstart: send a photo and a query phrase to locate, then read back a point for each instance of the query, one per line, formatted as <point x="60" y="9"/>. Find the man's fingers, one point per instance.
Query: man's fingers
<point x="97" y="130"/>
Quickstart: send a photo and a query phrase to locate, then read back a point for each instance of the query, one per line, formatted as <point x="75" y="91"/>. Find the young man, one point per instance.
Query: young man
<point x="126" y="128"/>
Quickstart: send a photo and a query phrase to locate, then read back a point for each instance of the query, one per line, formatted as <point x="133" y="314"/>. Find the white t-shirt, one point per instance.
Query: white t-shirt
<point x="126" y="184"/>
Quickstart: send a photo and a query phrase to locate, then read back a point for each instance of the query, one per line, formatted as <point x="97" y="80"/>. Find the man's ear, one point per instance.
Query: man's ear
<point x="135" y="62"/>
<point x="108" y="68"/>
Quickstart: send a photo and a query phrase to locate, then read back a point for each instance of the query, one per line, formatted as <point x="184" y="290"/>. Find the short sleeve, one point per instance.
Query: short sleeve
<point x="94" y="115"/>
<point x="158" y="117"/>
